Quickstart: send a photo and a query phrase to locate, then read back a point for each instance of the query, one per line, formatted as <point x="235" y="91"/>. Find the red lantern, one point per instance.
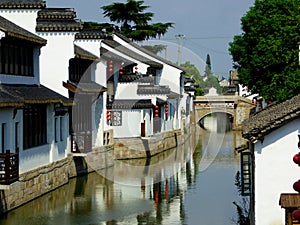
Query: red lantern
<point x="296" y="186"/>
<point x="108" y="114"/>
<point x="156" y="107"/>
<point x="296" y="214"/>
<point x="296" y="159"/>
<point x="110" y="66"/>
<point x="156" y="111"/>
<point x="166" y="112"/>
<point x="121" y="71"/>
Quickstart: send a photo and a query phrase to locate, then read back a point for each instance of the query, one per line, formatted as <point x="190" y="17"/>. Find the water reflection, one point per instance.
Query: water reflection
<point x="175" y="189"/>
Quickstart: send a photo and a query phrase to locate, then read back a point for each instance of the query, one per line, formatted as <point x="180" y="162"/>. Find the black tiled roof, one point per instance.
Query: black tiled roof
<point x="189" y="88"/>
<point x="188" y="80"/>
<point x="149" y="52"/>
<point x="56" y="14"/>
<point x="83" y="54"/>
<point x="89" y="87"/>
<point x="130" y="104"/>
<point x="118" y="47"/>
<point x="7" y="99"/>
<point x="174" y="95"/>
<point x="22" y="4"/>
<point x="14" y="30"/>
<point x="91" y="34"/>
<point x="29" y="94"/>
<point x="153" y="90"/>
<point x="126" y="78"/>
<point x="271" y="118"/>
<point x="104" y="53"/>
<point x="58" y="19"/>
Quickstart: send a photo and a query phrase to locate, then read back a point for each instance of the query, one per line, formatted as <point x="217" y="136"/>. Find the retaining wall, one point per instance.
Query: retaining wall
<point x="39" y="181"/>
<point x="134" y="148"/>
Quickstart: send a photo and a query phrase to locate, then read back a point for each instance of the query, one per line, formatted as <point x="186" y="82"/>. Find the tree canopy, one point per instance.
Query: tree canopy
<point x="135" y="22"/>
<point x="204" y="84"/>
<point x="155" y="48"/>
<point x="193" y="72"/>
<point x="266" y="53"/>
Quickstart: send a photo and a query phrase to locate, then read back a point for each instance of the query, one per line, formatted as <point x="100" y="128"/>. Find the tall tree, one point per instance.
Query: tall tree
<point x="134" y="20"/>
<point x="266" y="53"/>
<point x="207" y="66"/>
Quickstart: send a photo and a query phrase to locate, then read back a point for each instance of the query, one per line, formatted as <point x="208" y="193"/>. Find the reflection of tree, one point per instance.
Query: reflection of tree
<point x="242" y="206"/>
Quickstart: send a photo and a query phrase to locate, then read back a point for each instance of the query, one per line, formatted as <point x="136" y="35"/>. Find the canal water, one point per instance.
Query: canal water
<point x="192" y="184"/>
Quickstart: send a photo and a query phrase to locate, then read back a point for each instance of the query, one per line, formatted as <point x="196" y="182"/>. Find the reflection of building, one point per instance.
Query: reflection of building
<point x="273" y="136"/>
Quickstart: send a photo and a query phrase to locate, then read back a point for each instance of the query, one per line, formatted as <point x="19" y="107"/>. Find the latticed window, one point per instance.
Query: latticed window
<point x="16" y="58"/>
<point x="246" y="172"/>
<point x="34" y="126"/>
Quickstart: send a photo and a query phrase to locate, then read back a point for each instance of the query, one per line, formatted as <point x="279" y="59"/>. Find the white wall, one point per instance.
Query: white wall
<point x="131" y="124"/>
<point x="171" y="76"/>
<point x="25" y="18"/>
<point x="275" y="172"/>
<point x="6" y="116"/>
<point x="40" y="155"/>
<point x="54" y="60"/>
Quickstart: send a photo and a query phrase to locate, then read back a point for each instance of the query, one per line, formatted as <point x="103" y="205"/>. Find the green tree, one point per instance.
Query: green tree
<point x="207" y="66"/>
<point x="193" y="72"/>
<point x="266" y="53"/>
<point x="134" y="20"/>
<point x="211" y="81"/>
<point x="155" y="48"/>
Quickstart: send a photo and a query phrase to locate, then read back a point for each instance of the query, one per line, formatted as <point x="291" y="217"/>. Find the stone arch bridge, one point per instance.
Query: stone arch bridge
<point x="238" y="107"/>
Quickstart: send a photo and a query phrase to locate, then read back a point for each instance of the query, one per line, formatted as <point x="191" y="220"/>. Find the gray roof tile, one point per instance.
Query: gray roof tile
<point x="58" y="19"/>
<point x="14" y="30"/>
<point x="22" y="4"/>
<point x="29" y="94"/>
<point x="271" y="118"/>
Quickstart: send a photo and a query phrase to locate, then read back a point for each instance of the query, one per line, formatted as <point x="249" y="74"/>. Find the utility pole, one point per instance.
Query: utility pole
<point x="179" y="37"/>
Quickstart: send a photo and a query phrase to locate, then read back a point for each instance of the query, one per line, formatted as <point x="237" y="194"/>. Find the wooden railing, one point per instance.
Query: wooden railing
<point x="9" y="168"/>
<point x="81" y="142"/>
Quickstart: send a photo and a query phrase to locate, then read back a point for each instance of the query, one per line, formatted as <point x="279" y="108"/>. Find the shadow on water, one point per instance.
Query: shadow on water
<point x="169" y="188"/>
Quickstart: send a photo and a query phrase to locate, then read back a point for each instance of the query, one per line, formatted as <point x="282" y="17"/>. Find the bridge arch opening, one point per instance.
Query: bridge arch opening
<point x="217" y="121"/>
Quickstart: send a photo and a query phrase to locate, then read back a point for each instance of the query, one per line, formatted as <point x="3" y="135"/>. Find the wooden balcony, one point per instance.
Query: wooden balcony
<point x="81" y="142"/>
<point x="9" y="168"/>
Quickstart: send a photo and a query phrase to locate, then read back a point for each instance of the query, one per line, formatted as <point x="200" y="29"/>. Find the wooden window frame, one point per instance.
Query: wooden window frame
<point x="18" y="58"/>
<point x="34" y="126"/>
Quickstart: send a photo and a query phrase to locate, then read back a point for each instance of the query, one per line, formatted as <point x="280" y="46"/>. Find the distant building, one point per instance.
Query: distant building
<point x="224" y="82"/>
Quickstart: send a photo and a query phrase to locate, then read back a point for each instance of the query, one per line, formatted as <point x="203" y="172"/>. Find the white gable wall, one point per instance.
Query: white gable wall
<point x="171" y="76"/>
<point x="92" y="46"/>
<point x="25" y="18"/>
<point x="54" y="60"/>
<point x="275" y="172"/>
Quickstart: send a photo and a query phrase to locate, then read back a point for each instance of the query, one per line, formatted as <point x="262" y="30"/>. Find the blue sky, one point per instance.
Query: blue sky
<point x="208" y="26"/>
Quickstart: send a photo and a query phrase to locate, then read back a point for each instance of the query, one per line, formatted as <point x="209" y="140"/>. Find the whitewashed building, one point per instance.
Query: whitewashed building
<point x="146" y="91"/>
<point x="34" y="119"/>
<point x="267" y="166"/>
